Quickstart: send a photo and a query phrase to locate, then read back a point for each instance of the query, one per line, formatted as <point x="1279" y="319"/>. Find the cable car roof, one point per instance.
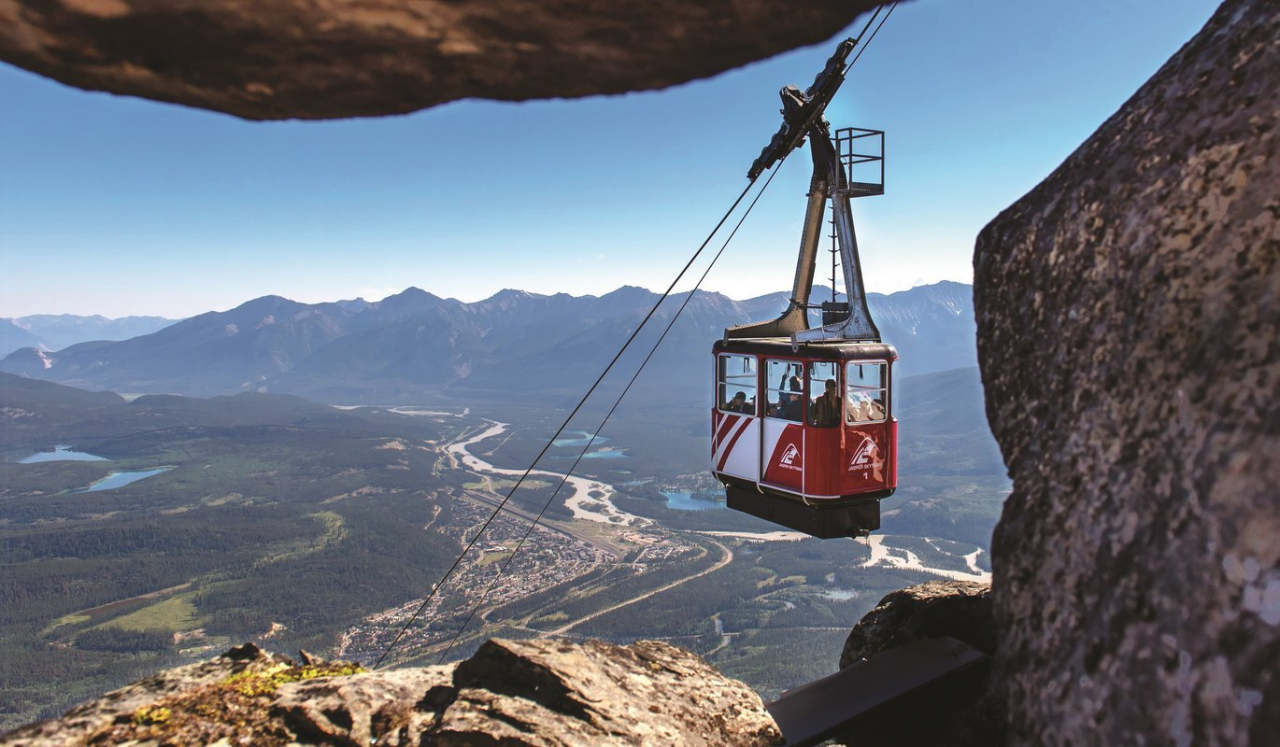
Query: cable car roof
<point x="823" y="349"/>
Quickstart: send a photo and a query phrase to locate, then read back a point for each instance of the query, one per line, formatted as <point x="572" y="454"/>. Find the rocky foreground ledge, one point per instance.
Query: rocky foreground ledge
<point x="543" y="693"/>
<point x="537" y="693"/>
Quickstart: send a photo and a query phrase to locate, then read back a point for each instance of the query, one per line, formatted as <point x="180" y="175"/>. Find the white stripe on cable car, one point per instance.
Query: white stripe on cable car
<point x="722" y="454"/>
<point x="733" y="440"/>
<point x="726" y="424"/>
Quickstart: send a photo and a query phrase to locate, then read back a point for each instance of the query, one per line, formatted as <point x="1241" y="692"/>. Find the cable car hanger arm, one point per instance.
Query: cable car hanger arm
<point x="802" y="114"/>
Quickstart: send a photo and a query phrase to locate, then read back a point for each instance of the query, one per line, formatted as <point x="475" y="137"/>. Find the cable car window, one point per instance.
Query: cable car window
<point x="784" y="390"/>
<point x="736" y="384"/>
<point x="865" y="392"/>
<point x="824" y="393"/>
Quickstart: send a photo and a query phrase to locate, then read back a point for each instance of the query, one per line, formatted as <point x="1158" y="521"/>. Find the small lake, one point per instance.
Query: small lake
<point x="841" y="595"/>
<point x="62" y="454"/>
<point x="685" y="501"/>
<point x="120" y="479"/>
<point x="607" y="454"/>
<point x="580" y="438"/>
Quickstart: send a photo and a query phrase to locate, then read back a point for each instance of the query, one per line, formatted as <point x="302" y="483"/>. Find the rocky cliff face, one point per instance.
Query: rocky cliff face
<point x="510" y="693"/>
<point x="1128" y="315"/>
<point x="322" y="60"/>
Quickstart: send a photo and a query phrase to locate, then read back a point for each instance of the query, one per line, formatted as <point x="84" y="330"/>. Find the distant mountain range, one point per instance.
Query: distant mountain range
<point x="415" y="346"/>
<point x="58" y="331"/>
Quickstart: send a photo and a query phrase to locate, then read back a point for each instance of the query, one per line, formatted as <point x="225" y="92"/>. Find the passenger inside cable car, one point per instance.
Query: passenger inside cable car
<point x="785" y="389"/>
<point x="740" y="404"/>
<point x="824" y="410"/>
<point x="866" y="393"/>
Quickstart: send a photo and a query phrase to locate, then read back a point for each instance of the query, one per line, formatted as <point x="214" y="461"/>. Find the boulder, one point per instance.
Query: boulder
<point x="514" y="693"/>
<point x="391" y="709"/>
<point x="1128" y="315"/>
<point x="320" y="60"/>
<point x="937" y="609"/>
<point x="551" y="693"/>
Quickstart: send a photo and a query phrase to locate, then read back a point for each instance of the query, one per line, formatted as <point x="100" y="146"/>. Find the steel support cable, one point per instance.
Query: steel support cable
<point x="565" y="478"/>
<point x="871" y="38"/>
<point x="565" y="424"/>
<point x="858" y="39"/>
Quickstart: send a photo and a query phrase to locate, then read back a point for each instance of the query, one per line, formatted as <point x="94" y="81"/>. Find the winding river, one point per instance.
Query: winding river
<point x="880" y="555"/>
<point x="580" y="502"/>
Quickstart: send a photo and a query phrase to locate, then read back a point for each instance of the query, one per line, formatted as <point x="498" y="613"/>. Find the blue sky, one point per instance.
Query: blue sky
<point x="119" y="206"/>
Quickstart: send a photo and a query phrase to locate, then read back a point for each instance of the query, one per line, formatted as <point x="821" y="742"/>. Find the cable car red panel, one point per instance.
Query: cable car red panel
<point x="868" y="467"/>
<point x="784" y="445"/>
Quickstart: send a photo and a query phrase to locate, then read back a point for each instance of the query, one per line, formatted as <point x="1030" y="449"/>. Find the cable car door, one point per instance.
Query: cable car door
<point x="782" y="444"/>
<point x="735" y="425"/>
<point x="870" y="431"/>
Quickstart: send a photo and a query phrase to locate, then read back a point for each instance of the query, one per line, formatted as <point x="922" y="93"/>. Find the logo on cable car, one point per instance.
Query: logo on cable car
<point x="789" y="457"/>
<point x="866" y="457"/>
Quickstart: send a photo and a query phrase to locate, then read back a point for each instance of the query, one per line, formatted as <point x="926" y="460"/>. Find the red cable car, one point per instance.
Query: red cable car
<point x="803" y="432"/>
<point x="814" y="444"/>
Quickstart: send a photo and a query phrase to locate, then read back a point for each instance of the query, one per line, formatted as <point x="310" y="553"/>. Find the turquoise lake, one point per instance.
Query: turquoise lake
<point x="686" y="501"/>
<point x="580" y="438"/>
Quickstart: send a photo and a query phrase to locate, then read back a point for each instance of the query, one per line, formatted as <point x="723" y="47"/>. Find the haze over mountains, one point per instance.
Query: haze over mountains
<point x="58" y="331"/>
<point x="415" y="346"/>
